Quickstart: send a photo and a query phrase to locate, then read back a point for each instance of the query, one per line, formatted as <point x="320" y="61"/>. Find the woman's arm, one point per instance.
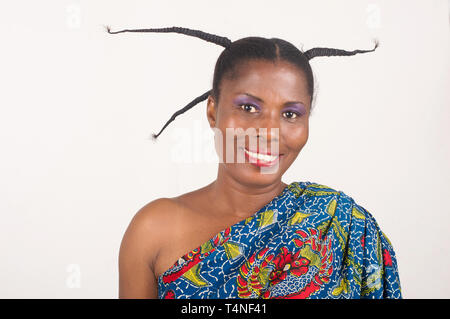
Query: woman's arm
<point x="138" y="250"/>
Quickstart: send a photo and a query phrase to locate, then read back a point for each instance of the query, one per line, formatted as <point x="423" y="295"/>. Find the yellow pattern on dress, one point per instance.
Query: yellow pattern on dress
<point x="297" y="218"/>
<point x="194" y="276"/>
<point x="231" y="249"/>
<point x="357" y="214"/>
<point x="331" y="207"/>
<point x="206" y="247"/>
<point x="341" y="288"/>
<point x="266" y="218"/>
<point x="323" y="190"/>
<point x="311" y="255"/>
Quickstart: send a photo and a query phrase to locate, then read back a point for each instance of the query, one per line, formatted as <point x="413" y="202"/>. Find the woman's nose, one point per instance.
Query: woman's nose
<point x="268" y="129"/>
<point x="269" y="125"/>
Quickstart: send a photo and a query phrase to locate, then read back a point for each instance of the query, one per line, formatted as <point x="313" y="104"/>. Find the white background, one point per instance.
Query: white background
<point x="78" y="106"/>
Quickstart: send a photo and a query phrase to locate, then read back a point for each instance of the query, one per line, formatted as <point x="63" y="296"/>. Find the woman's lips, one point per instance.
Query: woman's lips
<point x="262" y="159"/>
<point x="268" y="152"/>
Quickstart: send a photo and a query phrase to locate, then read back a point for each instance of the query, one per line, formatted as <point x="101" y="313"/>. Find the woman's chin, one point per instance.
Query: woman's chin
<point x="251" y="174"/>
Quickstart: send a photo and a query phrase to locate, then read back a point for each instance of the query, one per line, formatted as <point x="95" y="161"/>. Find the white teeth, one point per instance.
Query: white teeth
<point x="262" y="157"/>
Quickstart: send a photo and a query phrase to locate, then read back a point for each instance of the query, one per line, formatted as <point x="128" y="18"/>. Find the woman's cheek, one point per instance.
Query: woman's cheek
<point x="295" y="138"/>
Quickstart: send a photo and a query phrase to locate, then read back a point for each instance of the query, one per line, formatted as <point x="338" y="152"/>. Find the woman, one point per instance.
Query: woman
<point x="248" y="234"/>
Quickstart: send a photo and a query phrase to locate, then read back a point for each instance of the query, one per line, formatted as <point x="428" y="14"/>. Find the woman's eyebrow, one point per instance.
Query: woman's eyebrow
<point x="261" y="100"/>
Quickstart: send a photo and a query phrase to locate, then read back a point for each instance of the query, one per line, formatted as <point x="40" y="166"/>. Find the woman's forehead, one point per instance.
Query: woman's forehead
<point x="267" y="77"/>
<point x="264" y="66"/>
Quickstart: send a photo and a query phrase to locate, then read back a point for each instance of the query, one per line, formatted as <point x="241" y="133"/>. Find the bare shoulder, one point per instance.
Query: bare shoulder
<point x="156" y="211"/>
<point x="139" y="248"/>
<point x="149" y="225"/>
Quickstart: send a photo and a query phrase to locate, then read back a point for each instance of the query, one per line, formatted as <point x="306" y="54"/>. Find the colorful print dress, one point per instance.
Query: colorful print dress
<point x="310" y="241"/>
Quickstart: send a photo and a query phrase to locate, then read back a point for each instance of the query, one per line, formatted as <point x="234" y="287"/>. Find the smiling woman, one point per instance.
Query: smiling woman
<point x="247" y="234"/>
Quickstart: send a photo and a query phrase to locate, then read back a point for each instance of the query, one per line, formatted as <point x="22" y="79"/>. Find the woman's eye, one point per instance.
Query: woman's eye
<point x="247" y="107"/>
<point x="291" y="115"/>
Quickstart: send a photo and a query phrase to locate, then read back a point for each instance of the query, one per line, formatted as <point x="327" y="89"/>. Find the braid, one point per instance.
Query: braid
<point x="197" y="100"/>
<point x="222" y="41"/>
<point x="311" y="53"/>
<point x="246" y="53"/>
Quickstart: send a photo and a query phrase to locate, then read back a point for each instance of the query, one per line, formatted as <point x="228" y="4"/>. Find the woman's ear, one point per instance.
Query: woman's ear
<point x="211" y="111"/>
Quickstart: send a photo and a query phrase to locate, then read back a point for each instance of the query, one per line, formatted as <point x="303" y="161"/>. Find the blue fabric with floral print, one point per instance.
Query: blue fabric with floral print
<point x="310" y="241"/>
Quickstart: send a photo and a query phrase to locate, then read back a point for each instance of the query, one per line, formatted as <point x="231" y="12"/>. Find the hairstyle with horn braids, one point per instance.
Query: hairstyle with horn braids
<point x="245" y="49"/>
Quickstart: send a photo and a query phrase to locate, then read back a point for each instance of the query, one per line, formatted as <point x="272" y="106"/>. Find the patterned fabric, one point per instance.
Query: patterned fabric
<point x="310" y="241"/>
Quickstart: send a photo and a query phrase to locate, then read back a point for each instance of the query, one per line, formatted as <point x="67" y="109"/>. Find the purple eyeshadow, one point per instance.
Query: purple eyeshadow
<point x="245" y="100"/>
<point x="297" y="108"/>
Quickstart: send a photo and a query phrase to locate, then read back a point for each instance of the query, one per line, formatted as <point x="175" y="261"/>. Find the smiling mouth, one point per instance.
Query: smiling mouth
<point x="262" y="159"/>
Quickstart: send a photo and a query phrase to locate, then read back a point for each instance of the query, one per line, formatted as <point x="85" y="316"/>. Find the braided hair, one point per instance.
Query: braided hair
<point x="246" y="49"/>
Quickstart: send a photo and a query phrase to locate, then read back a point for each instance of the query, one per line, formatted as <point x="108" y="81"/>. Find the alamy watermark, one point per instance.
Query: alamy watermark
<point x="73" y="280"/>
<point x="193" y="145"/>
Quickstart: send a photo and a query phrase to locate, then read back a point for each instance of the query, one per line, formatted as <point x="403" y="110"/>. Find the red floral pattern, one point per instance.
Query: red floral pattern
<point x="288" y="263"/>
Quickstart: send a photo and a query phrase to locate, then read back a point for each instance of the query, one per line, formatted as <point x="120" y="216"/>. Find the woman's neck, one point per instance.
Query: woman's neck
<point x="232" y="198"/>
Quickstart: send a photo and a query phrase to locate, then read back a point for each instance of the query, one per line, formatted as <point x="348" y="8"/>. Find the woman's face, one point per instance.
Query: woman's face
<point x="263" y="95"/>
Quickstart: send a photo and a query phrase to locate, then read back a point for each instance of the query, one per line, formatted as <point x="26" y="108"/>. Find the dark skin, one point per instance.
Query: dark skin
<point x="167" y="228"/>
